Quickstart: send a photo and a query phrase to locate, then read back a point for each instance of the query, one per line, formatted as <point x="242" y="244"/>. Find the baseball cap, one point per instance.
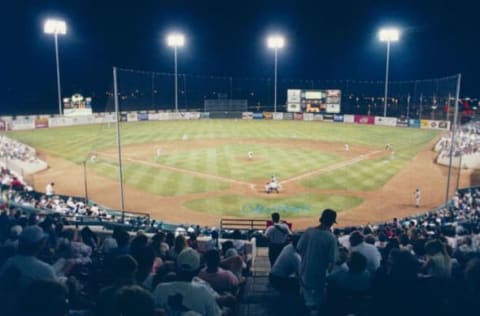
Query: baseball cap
<point x="188" y="260"/>
<point x="32" y="235"/>
<point x="329" y="216"/>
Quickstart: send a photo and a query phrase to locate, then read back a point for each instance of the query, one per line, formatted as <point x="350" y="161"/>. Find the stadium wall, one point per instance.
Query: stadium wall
<point x="44" y="121"/>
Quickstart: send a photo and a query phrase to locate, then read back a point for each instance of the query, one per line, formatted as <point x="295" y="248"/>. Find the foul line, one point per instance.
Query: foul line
<point x="332" y="167"/>
<point x="186" y="171"/>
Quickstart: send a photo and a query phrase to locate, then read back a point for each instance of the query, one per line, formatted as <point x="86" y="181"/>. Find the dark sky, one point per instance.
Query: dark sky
<point x="325" y="40"/>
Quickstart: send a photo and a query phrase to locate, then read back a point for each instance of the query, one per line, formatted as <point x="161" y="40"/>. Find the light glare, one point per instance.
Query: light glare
<point x="275" y="41"/>
<point x="53" y="26"/>
<point x="175" y="40"/>
<point x="389" y="35"/>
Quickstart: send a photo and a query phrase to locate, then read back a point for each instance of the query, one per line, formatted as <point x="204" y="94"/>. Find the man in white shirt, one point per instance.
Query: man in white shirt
<point x="184" y="295"/>
<point x="277" y="235"/>
<point x="286" y="270"/>
<point x="370" y="252"/>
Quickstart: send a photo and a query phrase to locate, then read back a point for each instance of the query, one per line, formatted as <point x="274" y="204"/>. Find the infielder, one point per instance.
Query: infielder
<point x="418" y="195"/>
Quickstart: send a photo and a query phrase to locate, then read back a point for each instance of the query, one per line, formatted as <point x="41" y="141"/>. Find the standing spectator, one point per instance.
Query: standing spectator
<point x="439" y="264"/>
<point x="318" y="248"/>
<point x="277" y="236"/>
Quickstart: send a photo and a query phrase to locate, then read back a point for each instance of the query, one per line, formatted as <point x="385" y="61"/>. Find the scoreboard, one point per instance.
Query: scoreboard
<point x="313" y="101"/>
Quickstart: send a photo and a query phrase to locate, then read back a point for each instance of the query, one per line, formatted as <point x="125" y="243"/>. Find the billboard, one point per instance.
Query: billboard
<point x="364" y="119"/>
<point x="314" y="101"/>
<point x="3" y="125"/>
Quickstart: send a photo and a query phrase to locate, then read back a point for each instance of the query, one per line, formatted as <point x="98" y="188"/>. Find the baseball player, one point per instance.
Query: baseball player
<point x="250" y="155"/>
<point x="418" y="196"/>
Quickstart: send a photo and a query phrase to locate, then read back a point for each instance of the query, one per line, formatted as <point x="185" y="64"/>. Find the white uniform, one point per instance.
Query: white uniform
<point x="250" y="155"/>
<point x="347" y="147"/>
<point x="418" y="195"/>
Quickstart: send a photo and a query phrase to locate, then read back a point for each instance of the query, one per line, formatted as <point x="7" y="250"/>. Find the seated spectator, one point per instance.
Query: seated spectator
<point x="370" y="252"/>
<point x="180" y="244"/>
<point x="124" y="269"/>
<point x="355" y="279"/>
<point x="133" y="301"/>
<point x="21" y="270"/>
<point x="12" y="240"/>
<point x="220" y="280"/>
<point x="184" y="295"/>
<point x="144" y="255"/>
<point x="347" y="290"/>
<point x="286" y="269"/>
<point x="46" y="298"/>
<point x="213" y="243"/>
<point x="438" y="263"/>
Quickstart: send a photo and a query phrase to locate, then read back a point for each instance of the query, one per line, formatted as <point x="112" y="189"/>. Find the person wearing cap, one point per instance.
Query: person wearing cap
<point x="183" y="295"/>
<point x="21" y="270"/>
<point x="318" y="248"/>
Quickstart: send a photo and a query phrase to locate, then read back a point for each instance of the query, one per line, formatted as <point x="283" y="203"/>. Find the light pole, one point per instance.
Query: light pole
<point x="275" y="42"/>
<point x="387" y="35"/>
<point x="55" y="27"/>
<point x="176" y="40"/>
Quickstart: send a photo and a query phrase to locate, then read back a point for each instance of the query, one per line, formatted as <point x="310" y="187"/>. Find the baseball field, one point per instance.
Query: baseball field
<point x="200" y="171"/>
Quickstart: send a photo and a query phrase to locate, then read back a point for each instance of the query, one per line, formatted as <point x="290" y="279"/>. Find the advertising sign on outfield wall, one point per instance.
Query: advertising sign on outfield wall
<point x="364" y="119"/>
<point x="257" y="116"/>
<point x="414" y="123"/>
<point x="308" y="116"/>
<point x="123" y="117"/>
<point x="142" y="116"/>
<point x="317" y="117"/>
<point x="288" y="116"/>
<point x="41" y="123"/>
<point x="19" y="124"/>
<point x="347" y="118"/>
<point x="385" y="121"/>
<point x="431" y="124"/>
<point x="328" y="117"/>
<point x="338" y="118"/>
<point x="194" y="115"/>
<point x="247" y="115"/>
<point x="268" y="115"/>
<point x="204" y="115"/>
<point x="132" y="117"/>
<point x="3" y="125"/>
<point x="278" y="116"/>
<point x="298" y="116"/>
<point x="402" y="122"/>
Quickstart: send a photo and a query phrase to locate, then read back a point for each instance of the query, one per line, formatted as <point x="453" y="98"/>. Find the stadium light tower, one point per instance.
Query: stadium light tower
<point x="56" y="27"/>
<point x="275" y="42"/>
<point x="388" y="35"/>
<point x="176" y="40"/>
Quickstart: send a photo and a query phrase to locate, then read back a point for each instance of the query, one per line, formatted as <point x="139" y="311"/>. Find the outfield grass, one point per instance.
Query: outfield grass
<point x="227" y="159"/>
<point x="230" y="160"/>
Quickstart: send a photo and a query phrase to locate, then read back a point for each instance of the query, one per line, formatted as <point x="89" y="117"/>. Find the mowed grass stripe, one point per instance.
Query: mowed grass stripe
<point x="365" y="175"/>
<point x="161" y="182"/>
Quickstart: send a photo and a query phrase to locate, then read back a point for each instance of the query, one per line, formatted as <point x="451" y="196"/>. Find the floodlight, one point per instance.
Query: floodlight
<point x="54" y="26"/>
<point x="175" y="40"/>
<point x="389" y="35"/>
<point x="275" y="41"/>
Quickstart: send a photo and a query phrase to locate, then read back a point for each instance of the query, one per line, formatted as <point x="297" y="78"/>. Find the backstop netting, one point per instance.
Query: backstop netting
<point x="432" y="99"/>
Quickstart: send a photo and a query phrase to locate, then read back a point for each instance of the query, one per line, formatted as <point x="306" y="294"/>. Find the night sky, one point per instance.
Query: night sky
<point x="325" y="40"/>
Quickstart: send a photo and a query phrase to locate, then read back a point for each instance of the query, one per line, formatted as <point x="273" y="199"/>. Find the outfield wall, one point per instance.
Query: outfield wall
<point x="45" y="121"/>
